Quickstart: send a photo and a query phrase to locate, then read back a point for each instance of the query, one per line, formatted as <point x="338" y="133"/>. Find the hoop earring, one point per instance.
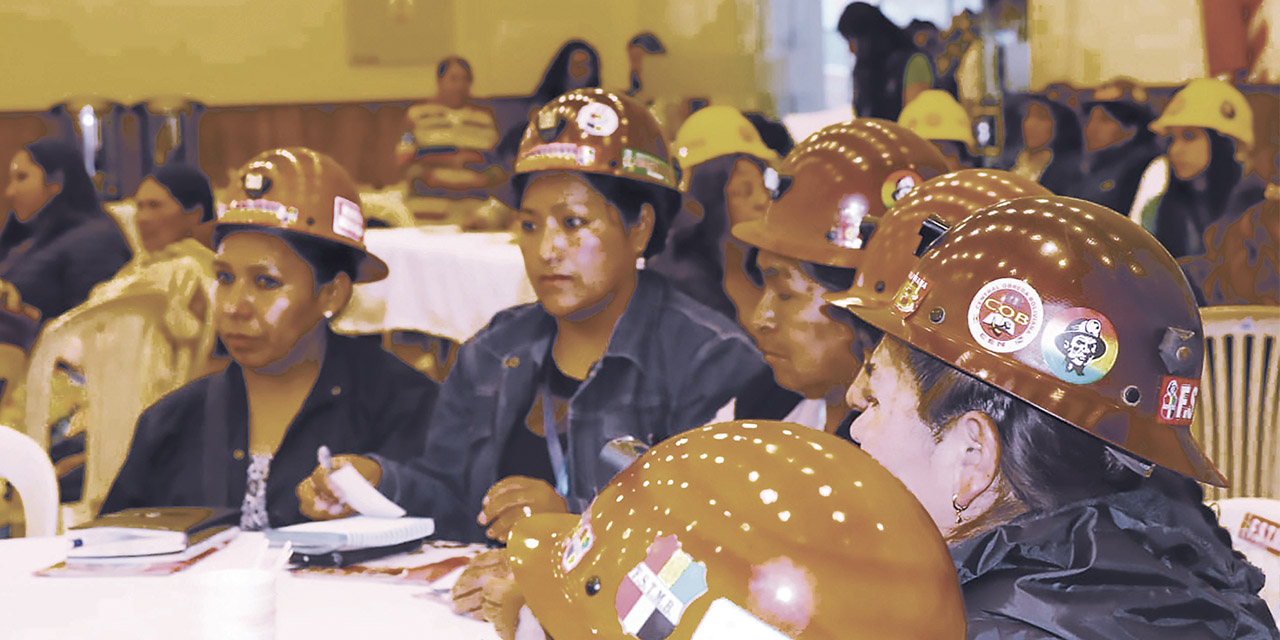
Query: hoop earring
<point x="955" y="504"/>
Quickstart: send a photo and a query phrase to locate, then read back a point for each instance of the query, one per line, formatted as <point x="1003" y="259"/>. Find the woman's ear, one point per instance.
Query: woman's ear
<point x="642" y="230"/>
<point x="334" y="296"/>
<point x="975" y="444"/>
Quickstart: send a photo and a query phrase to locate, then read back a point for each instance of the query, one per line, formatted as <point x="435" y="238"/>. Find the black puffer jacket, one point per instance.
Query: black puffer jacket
<point x="1144" y="564"/>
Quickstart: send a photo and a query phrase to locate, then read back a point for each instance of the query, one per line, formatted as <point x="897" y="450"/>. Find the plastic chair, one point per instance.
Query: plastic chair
<point x="1232" y="514"/>
<point x="27" y="467"/>
<point x="1237" y="417"/>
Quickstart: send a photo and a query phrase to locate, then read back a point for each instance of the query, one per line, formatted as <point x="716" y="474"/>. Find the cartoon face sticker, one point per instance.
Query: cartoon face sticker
<point x="898" y="185"/>
<point x="1079" y="346"/>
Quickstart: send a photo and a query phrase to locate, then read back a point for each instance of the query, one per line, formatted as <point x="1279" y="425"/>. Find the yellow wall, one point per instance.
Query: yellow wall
<point x="1086" y="42"/>
<point x="226" y="52"/>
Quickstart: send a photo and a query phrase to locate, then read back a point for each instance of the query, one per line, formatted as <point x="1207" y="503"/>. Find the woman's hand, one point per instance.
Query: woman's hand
<point x="469" y="591"/>
<point x="513" y="498"/>
<point x="11" y="301"/>
<point x="319" y="499"/>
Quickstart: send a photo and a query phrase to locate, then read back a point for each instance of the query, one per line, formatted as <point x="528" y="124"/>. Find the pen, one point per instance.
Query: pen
<point x="324" y="458"/>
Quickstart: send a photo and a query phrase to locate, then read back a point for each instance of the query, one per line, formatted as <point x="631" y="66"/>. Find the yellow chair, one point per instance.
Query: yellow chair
<point x="1237" y="418"/>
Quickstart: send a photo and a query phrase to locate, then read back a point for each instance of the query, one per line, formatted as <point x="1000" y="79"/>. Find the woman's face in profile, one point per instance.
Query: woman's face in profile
<point x="746" y="196"/>
<point x="161" y="220"/>
<point x="1037" y="126"/>
<point x="27" y="191"/>
<point x="579" y="69"/>
<point x="265" y="298"/>
<point x="1189" y="151"/>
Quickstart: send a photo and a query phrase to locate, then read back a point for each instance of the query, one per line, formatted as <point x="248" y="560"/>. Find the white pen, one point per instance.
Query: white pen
<point x="324" y="458"/>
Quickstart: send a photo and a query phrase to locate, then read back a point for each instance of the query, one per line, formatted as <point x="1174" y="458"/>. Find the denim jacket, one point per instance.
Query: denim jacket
<point x="670" y="364"/>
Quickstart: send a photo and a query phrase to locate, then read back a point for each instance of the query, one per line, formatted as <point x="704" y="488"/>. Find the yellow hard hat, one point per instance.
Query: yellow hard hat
<point x="1209" y="103"/>
<point x="935" y="115"/>
<point x="716" y="131"/>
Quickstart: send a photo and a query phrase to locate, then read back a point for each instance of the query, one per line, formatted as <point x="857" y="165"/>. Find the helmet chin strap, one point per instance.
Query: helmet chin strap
<point x="1132" y="462"/>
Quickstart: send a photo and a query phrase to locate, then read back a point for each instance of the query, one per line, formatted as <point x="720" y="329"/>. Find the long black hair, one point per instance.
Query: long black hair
<point x="1190" y="206"/>
<point x="558" y="80"/>
<point x="628" y="197"/>
<point x="883" y="49"/>
<point x="75" y="203"/>
<point x="1067" y="144"/>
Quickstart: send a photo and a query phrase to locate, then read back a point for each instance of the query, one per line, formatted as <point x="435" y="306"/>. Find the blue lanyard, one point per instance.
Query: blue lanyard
<point x="558" y="463"/>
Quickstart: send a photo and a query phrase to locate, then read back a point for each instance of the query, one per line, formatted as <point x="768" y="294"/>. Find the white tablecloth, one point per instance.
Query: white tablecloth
<point x="146" y="608"/>
<point x="442" y="282"/>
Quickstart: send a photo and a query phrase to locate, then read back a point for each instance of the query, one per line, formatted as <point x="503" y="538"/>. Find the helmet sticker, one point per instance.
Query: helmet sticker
<point x="256" y="185"/>
<point x="577" y="544"/>
<point x="725" y="620"/>
<point x="1079" y="346"/>
<point x="554" y="155"/>
<point x="637" y="162"/>
<point x="898" y="185"/>
<point x="1227" y="110"/>
<point x="909" y="294"/>
<point x="1177" y="400"/>
<point x="654" y="595"/>
<point x="1256" y="530"/>
<point x="1005" y="315"/>
<point x="847" y="232"/>
<point x="547" y="118"/>
<point x="347" y="219"/>
<point x="285" y="214"/>
<point x="597" y="119"/>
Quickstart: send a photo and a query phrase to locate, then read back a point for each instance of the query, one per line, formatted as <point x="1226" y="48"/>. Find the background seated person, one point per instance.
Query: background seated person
<point x="1027" y="402"/>
<point x="606" y="352"/>
<point x="444" y="151"/>
<point x="56" y="242"/>
<point x="810" y="243"/>
<point x="289" y="247"/>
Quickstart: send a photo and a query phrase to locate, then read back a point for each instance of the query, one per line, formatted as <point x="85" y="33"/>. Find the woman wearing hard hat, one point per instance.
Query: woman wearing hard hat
<point x="723" y="163"/>
<point x="1210" y="125"/>
<point x="937" y="117"/>
<point x="608" y="351"/>
<point x="288" y="249"/>
<point x="1034" y="390"/>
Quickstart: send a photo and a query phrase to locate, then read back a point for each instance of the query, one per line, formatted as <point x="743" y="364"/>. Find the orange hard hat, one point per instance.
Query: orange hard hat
<point x="299" y="191"/>
<point x="839" y="178"/>
<point x="1071" y="307"/>
<point x="890" y="252"/>
<point x="765" y="529"/>
<point x="596" y="131"/>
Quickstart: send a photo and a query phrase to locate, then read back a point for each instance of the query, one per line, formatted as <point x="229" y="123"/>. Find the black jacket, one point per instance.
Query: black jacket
<point x="670" y="365"/>
<point x="57" y="257"/>
<point x="1110" y="176"/>
<point x="190" y="448"/>
<point x="1136" y="565"/>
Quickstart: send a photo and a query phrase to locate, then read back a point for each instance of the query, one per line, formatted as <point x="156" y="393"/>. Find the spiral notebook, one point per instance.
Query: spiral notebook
<point x="355" y="532"/>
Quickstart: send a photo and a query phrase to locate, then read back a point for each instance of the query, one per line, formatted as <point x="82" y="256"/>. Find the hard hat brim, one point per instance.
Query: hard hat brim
<point x="757" y="233"/>
<point x="371" y="268"/>
<point x="533" y="551"/>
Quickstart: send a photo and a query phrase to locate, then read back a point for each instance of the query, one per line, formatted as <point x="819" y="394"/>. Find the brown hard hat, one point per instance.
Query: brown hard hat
<point x="1073" y="308"/>
<point x="839" y="178"/>
<point x="761" y="529"/>
<point x="596" y="131"/>
<point x="890" y="252"/>
<point x="299" y="191"/>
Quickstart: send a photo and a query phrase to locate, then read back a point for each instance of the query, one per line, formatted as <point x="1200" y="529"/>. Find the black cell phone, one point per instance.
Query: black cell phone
<point x="352" y="556"/>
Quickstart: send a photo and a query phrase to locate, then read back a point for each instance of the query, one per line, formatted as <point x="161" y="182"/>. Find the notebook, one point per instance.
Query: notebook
<point x="355" y="532"/>
<point x="146" y="532"/>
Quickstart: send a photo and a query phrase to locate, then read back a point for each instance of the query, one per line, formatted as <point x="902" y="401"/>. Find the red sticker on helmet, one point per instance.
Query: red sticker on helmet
<point x="1005" y="315"/>
<point x="898" y="185"/>
<point x="653" y="596"/>
<point x="1177" y="400"/>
